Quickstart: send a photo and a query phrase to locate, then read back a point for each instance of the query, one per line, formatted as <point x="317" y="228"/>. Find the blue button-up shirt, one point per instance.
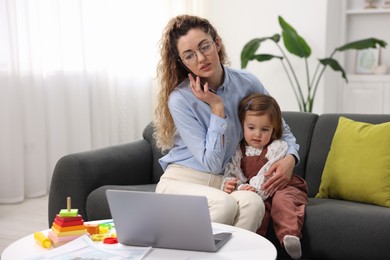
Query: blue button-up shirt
<point x="204" y="141"/>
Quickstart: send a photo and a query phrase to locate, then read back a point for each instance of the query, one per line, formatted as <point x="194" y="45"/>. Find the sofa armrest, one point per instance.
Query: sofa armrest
<point x="77" y="175"/>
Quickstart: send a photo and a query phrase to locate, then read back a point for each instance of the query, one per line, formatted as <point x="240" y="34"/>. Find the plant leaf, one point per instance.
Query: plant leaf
<point x="335" y="66"/>
<point x="294" y="43"/>
<point x="250" y="48"/>
<point x="362" y="44"/>
<point x="266" y="57"/>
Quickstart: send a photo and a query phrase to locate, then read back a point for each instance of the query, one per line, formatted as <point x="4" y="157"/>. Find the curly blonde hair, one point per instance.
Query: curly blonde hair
<point x="170" y="73"/>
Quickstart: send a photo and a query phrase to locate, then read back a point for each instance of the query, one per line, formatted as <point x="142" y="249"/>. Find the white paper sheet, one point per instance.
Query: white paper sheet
<point x="83" y="248"/>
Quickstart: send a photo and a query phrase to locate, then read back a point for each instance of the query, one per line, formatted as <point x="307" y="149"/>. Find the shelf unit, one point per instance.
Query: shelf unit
<point x="367" y="11"/>
<point x="365" y="93"/>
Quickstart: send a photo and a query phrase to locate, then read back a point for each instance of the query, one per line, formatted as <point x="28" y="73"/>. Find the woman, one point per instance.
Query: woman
<point x="200" y="126"/>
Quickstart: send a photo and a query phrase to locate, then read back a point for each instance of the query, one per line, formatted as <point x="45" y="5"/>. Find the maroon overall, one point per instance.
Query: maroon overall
<point x="286" y="207"/>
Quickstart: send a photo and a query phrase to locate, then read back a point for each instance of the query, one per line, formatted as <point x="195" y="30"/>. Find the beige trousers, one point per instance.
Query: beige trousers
<point x="244" y="209"/>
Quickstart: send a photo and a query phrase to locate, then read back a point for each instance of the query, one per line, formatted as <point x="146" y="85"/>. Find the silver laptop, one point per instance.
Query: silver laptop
<point x="163" y="221"/>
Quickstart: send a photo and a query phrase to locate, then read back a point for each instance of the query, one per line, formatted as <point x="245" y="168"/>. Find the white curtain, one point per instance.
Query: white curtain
<point x="75" y="75"/>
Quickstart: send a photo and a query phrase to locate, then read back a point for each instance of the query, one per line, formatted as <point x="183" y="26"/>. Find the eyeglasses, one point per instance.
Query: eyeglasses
<point x="190" y="57"/>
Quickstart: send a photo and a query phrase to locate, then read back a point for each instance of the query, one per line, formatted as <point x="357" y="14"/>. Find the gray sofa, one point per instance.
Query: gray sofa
<point x="333" y="229"/>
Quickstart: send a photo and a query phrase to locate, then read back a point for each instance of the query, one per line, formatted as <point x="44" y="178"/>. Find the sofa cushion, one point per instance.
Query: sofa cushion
<point x="301" y="125"/>
<point x="358" y="164"/>
<point x="340" y="229"/>
<point x="322" y="139"/>
<point x="97" y="204"/>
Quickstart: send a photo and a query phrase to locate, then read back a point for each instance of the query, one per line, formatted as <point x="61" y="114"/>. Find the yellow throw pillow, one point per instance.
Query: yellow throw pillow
<point x="358" y="163"/>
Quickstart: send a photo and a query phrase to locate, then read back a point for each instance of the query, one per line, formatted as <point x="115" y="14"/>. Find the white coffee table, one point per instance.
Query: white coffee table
<point x="242" y="245"/>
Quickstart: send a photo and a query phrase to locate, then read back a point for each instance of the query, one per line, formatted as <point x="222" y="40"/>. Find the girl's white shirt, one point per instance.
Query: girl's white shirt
<point x="276" y="151"/>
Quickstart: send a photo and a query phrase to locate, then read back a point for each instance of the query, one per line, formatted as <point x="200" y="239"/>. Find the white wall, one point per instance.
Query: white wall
<point x="239" y="21"/>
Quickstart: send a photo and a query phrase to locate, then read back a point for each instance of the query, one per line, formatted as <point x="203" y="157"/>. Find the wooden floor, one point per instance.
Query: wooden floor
<point x="19" y="220"/>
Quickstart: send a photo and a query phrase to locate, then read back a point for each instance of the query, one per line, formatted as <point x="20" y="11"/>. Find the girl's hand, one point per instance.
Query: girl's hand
<point x="230" y="185"/>
<point x="248" y="188"/>
<point x="214" y="101"/>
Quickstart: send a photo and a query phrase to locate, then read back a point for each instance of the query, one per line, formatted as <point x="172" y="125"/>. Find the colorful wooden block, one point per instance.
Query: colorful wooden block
<point x="67" y="226"/>
<point x="68" y="219"/>
<point x="65" y="229"/>
<point x="92" y="228"/>
<point x="68" y="212"/>
<point x="68" y="233"/>
<point x="68" y="223"/>
<point x="59" y="241"/>
<point x="42" y="240"/>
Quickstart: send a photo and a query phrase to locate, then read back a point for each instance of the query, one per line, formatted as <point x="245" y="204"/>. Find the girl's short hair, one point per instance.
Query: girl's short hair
<point x="263" y="104"/>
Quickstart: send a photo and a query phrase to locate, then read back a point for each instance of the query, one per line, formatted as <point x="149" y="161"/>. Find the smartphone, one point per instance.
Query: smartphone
<point x="194" y="75"/>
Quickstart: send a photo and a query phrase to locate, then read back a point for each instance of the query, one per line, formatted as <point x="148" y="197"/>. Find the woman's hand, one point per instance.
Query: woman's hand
<point x="279" y="174"/>
<point x="214" y="101"/>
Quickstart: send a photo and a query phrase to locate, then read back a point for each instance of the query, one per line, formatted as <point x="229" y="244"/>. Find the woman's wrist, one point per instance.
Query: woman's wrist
<point x="293" y="158"/>
<point x="218" y="110"/>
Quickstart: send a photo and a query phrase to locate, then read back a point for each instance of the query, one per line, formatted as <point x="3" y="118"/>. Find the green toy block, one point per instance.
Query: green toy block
<point x="69" y="213"/>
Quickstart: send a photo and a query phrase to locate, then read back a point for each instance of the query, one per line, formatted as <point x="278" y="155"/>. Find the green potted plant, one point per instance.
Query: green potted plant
<point x="296" y="45"/>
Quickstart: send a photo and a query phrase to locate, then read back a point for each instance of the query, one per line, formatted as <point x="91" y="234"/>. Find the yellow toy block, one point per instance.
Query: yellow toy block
<point x="69" y="233"/>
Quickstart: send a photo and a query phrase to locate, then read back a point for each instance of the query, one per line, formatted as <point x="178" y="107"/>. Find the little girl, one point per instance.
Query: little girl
<point x="261" y="146"/>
